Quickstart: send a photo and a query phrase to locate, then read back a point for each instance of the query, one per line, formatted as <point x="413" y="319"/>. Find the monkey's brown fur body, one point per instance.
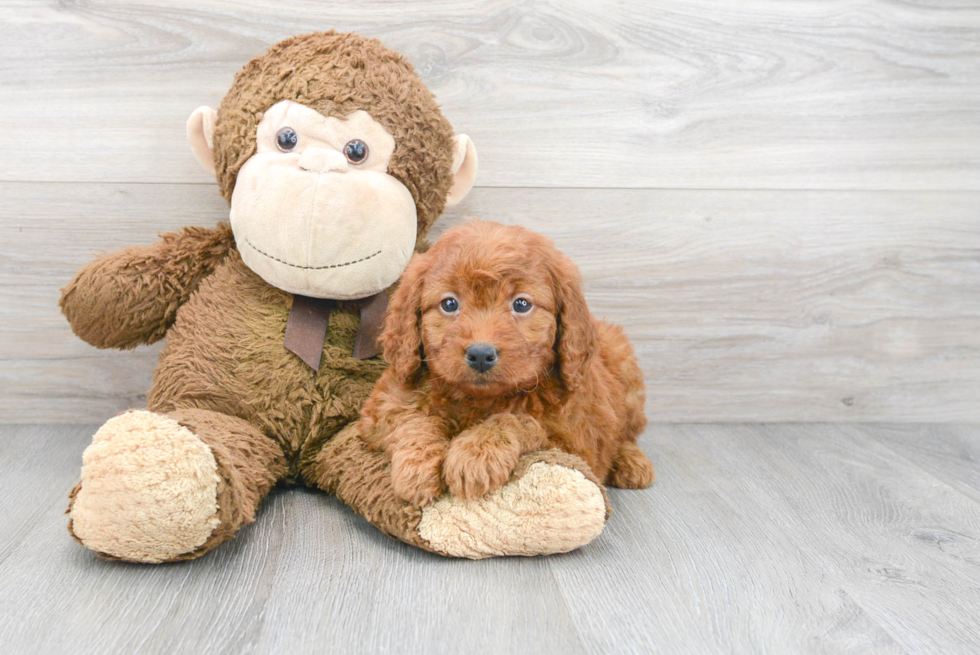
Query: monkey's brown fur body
<point x="231" y="412"/>
<point x="225" y="375"/>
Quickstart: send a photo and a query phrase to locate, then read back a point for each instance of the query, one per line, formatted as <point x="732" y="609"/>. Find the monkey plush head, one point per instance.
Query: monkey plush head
<point x="335" y="159"/>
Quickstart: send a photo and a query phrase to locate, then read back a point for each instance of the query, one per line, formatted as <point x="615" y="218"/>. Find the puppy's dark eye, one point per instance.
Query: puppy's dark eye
<point x="449" y="305"/>
<point x="356" y="151"/>
<point x="522" y="305"/>
<point x="286" y="139"/>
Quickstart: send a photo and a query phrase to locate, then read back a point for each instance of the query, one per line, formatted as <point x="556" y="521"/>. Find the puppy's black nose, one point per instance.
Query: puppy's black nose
<point x="481" y="357"/>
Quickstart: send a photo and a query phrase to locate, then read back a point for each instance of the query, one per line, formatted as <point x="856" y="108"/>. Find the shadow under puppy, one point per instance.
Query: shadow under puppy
<point x="494" y="354"/>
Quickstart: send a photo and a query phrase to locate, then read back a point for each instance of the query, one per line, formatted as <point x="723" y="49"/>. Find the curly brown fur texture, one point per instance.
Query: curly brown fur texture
<point x="562" y="379"/>
<point x="337" y="74"/>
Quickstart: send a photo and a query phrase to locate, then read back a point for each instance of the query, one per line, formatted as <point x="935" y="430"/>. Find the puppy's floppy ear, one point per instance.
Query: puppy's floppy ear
<point x="401" y="338"/>
<point x="577" y="339"/>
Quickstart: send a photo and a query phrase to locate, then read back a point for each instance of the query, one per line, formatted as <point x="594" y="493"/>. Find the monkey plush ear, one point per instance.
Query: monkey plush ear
<point x="200" y="133"/>
<point x="464" y="168"/>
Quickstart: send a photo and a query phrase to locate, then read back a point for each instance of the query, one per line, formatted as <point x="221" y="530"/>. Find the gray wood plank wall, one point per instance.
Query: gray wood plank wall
<point x="779" y="200"/>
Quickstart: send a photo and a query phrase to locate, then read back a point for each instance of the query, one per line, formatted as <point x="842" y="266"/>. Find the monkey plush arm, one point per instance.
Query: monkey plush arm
<point x="130" y="297"/>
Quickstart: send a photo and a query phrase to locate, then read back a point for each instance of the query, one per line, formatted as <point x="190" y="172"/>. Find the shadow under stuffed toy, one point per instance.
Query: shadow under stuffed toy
<point x="335" y="160"/>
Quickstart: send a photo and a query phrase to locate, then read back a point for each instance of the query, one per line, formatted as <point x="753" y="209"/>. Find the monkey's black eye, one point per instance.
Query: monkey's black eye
<point x="286" y="139"/>
<point x="356" y="151"/>
<point x="522" y="305"/>
<point x="449" y="305"/>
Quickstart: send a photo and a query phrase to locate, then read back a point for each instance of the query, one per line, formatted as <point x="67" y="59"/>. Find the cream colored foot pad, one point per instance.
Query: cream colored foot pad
<point x="149" y="489"/>
<point x="550" y="509"/>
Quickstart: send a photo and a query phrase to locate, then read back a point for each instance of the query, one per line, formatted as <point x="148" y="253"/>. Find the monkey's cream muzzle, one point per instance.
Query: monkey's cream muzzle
<point x="309" y="221"/>
<point x="333" y="234"/>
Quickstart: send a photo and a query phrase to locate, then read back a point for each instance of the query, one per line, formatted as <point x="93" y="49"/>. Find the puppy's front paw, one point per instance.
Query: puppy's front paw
<point x="476" y="465"/>
<point x="415" y="477"/>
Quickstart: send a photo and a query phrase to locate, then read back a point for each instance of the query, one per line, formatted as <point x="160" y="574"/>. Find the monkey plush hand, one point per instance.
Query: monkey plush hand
<point x="335" y="160"/>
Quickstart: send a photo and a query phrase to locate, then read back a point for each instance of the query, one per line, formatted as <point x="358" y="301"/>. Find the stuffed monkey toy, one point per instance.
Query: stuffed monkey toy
<point x="335" y="160"/>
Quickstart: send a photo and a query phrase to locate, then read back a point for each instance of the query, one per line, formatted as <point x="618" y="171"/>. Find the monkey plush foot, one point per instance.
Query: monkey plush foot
<point x="148" y="491"/>
<point x="551" y="504"/>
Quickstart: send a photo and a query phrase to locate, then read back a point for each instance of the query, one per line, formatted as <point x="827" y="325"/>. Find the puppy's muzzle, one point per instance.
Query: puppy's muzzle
<point x="481" y="357"/>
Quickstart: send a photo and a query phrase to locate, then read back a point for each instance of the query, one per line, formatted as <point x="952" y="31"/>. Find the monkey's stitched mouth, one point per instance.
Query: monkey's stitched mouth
<point x="310" y="268"/>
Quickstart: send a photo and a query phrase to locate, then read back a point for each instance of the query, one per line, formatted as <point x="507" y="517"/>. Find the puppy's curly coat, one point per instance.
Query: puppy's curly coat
<point x="494" y="354"/>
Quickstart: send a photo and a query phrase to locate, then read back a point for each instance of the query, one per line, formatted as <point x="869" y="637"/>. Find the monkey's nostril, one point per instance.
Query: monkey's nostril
<point x="481" y="356"/>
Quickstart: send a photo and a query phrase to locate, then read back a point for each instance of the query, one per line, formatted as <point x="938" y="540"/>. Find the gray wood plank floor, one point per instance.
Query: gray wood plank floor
<point x="756" y="538"/>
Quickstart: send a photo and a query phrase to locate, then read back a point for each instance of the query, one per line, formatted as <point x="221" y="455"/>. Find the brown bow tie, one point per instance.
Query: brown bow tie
<point x="306" y="327"/>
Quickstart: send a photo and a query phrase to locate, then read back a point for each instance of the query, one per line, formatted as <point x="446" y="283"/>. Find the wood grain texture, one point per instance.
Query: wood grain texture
<point x="788" y="538"/>
<point x="874" y="526"/>
<point x="950" y="453"/>
<point x="673" y="94"/>
<point x="743" y="306"/>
